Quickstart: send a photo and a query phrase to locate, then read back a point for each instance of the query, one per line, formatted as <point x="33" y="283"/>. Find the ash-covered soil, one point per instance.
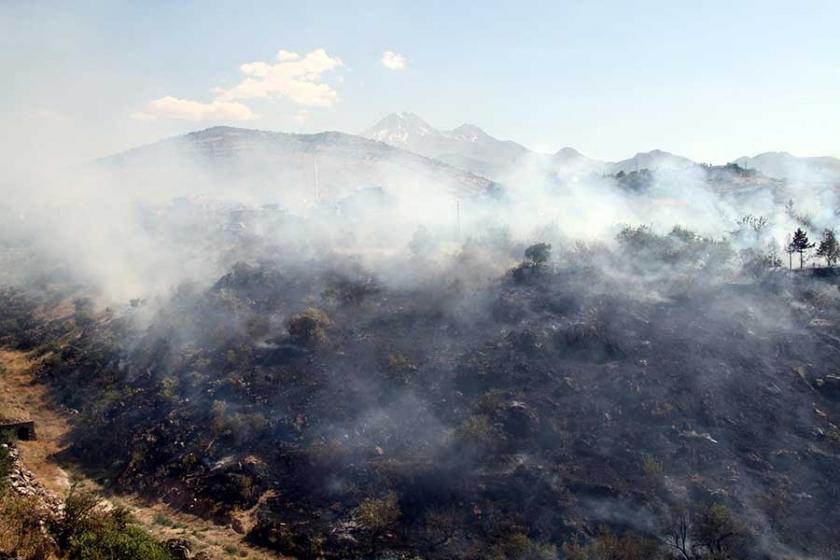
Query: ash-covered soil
<point x="598" y="397"/>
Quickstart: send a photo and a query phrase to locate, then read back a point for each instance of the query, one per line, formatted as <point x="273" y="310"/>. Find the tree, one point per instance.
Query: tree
<point x="790" y="250"/>
<point x="538" y="253"/>
<point x="711" y="532"/>
<point x="717" y="531"/>
<point x="800" y="244"/>
<point x="536" y="256"/>
<point x="829" y="248"/>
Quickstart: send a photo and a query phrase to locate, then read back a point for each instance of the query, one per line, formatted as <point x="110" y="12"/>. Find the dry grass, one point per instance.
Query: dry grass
<point x="22" y="398"/>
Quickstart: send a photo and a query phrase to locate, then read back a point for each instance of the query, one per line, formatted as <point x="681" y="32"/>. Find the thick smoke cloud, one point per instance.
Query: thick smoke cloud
<point x="134" y="227"/>
<point x="229" y="236"/>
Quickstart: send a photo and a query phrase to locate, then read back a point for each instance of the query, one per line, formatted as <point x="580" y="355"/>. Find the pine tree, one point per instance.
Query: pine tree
<point x="829" y="248"/>
<point x="800" y="244"/>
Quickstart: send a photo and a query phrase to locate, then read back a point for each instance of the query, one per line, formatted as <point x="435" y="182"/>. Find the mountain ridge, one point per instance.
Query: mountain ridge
<point x="410" y="131"/>
<point x="335" y="163"/>
<point x="466" y="154"/>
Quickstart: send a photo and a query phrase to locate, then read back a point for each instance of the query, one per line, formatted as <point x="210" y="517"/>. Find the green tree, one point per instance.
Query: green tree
<point x="538" y="253"/>
<point x="800" y="244"/>
<point x="829" y="248"/>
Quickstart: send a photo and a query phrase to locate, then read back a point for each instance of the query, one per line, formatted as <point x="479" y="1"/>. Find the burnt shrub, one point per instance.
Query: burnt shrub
<point x="309" y="326"/>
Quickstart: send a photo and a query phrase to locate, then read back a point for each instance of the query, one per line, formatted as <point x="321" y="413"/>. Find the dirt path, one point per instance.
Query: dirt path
<point x="22" y="397"/>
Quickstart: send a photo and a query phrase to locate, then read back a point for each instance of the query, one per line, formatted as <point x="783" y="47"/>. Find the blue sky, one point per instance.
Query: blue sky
<point x="709" y="80"/>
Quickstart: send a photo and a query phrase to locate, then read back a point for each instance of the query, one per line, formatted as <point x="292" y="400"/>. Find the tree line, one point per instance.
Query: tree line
<point x="828" y="249"/>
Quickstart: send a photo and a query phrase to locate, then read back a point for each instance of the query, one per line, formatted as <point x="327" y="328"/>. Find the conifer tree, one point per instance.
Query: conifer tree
<point x="829" y="248"/>
<point x="800" y="244"/>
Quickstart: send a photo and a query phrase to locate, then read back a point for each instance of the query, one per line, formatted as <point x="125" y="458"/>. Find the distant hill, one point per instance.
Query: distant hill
<point x="401" y="154"/>
<point x="569" y="160"/>
<point x="653" y="160"/>
<point x="784" y="165"/>
<point x="291" y="169"/>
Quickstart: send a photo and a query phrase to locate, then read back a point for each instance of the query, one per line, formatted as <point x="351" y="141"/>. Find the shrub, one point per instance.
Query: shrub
<point x="83" y="312"/>
<point x="6" y="440"/>
<point x="112" y="542"/>
<point x="82" y="512"/>
<point x="477" y="430"/>
<point x="518" y="546"/>
<point x="22" y="534"/>
<point x="87" y="532"/>
<point x="378" y="514"/>
<point x="309" y="326"/>
<point x="609" y="546"/>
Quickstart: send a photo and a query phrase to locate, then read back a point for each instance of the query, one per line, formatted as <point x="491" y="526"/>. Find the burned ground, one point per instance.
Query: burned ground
<point x="459" y="420"/>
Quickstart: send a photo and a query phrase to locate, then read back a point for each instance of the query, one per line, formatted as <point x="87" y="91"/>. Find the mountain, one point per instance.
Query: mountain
<point x="653" y="160"/>
<point x="466" y="146"/>
<point x="472" y="149"/>
<point x="784" y="165"/>
<point x="570" y="161"/>
<point x="291" y="169"/>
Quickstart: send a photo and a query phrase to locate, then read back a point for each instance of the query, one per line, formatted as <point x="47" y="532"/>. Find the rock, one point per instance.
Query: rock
<point x="829" y="386"/>
<point x="179" y="548"/>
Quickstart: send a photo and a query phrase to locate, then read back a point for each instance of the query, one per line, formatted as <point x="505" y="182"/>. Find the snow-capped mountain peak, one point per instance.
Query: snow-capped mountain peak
<point x="398" y="129"/>
<point x="466" y="146"/>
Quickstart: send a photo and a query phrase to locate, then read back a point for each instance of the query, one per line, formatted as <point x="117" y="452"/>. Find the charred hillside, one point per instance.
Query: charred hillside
<point x="588" y="400"/>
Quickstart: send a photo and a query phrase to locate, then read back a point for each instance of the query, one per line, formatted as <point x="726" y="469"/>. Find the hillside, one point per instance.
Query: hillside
<point x="476" y="414"/>
<point x="294" y="170"/>
<point x="653" y="160"/>
<point x="783" y="165"/>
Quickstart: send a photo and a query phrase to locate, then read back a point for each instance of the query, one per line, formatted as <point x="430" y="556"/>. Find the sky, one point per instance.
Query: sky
<point x="709" y="80"/>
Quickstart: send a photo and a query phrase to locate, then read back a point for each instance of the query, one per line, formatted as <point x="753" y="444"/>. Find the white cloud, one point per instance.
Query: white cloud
<point x="393" y="61"/>
<point x="284" y="56"/>
<point x="186" y="109"/>
<point x="290" y="76"/>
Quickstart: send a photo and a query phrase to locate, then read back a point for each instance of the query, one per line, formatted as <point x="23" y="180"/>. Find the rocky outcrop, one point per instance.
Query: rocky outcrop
<point x="22" y="481"/>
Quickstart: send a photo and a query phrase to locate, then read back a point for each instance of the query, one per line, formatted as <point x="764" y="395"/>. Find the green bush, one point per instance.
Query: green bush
<point x="111" y="542"/>
<point x="88" y="532"/>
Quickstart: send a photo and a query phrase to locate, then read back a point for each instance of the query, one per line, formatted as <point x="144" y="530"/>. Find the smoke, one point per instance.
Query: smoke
<point x="185" y="209"/>
<point x="628" y="339"/>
